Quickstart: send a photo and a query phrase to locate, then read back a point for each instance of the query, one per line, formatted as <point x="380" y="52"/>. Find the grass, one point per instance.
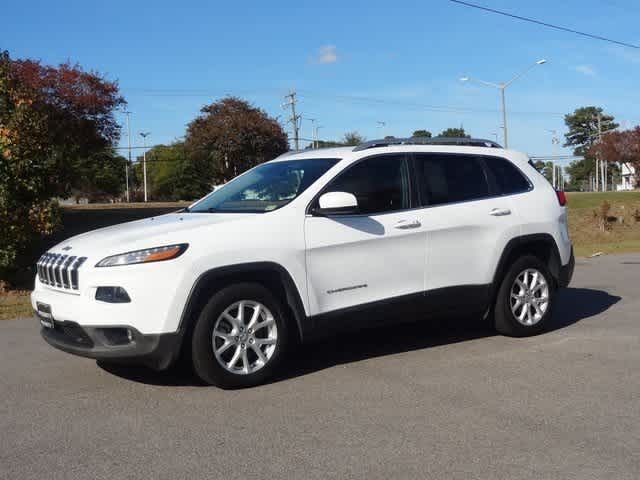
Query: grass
<point x="623" y="229"/>
<point x="579" y="200"/>
<point x="15" y="304"/>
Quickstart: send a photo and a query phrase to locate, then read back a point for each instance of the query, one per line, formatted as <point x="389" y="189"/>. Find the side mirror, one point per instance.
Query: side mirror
<point x="336" y="203"/>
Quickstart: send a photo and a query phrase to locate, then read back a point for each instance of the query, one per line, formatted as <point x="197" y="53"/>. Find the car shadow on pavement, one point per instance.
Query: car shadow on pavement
<point x="573" y="305"/>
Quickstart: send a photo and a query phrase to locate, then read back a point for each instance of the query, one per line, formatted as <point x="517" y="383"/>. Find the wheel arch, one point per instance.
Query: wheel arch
<point x="541" y="245"/>
<point x="271" y="275"/>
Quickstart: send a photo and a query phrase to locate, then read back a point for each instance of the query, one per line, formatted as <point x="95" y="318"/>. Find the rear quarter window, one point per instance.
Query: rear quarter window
<point x="507" y="178"/>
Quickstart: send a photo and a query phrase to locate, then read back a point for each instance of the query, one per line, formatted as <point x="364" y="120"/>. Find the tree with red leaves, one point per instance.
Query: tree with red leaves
<point x="231" y="136"/>
<point x="620" y="146"/>
<point x="52" y="120"/>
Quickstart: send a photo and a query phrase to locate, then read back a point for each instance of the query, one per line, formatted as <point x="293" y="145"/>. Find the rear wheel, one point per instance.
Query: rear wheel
<point x="525" y="299"/>
<point x="240" y="337"/>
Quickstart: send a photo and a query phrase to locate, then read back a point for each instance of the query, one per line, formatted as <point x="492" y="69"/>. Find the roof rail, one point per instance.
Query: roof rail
<point x="467" y="142"/>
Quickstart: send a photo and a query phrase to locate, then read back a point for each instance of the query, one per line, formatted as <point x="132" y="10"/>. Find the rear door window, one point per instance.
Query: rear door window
<point x="446" y="178"/>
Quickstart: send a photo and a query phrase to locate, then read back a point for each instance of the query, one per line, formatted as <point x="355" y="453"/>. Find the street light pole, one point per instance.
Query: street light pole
<point x="126" y="167"/>
<point x="504" y="117"/>
<point x="502" y="86"/>
<point x="314" y="132"/>
<point x="144" y="136"/>
<point x="555" y="141"/>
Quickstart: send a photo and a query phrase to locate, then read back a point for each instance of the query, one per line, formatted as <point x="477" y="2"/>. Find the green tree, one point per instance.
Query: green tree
<point x="52" y="119"/>
<point x="100" y="177"/>
<point x="229" y="137"/>
<point x="582" y="127"/>
<point x="545" y="168"/>
<point x="165" y="164"/>
<point x="454" y="133"/>
<point x="352" y="138"/>
<point x="582" y="132"/>
<point x="422" y="133"/>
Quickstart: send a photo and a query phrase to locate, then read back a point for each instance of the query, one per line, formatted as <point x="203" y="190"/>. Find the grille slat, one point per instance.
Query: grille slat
<point x="57" y="274"/>
<point x="66" y="279"/>
<point x="47" y="271"/>
<point x="60" y="271"/>
<point x="50" y="274"/>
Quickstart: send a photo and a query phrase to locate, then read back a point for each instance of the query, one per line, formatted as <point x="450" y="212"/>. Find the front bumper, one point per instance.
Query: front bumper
<point x="566" y="271"/>
<point x="158" y="351"/>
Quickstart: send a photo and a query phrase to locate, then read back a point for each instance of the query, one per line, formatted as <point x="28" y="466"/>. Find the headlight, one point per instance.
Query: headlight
<point x="157" y="254"/>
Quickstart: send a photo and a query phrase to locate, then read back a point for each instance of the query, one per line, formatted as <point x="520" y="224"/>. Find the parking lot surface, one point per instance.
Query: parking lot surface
<point x="435" y="400"/>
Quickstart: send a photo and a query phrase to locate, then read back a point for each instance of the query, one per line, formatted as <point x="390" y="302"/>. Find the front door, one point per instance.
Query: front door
<point x="376" y="255"/>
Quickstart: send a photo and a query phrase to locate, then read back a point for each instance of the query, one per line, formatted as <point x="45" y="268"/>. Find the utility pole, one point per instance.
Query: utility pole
<point x="294" y="118"/>
<point x="126" y="167"/>
<point x="144" y="136"/>
<point x="598" y="161"/>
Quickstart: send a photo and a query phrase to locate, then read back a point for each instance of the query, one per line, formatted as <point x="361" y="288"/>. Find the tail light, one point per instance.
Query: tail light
<point x="562" y="197"/>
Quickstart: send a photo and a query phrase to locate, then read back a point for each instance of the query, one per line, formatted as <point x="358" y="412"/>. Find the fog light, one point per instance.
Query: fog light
<point x="116" y="336"/>
<point x="112" y="295"/>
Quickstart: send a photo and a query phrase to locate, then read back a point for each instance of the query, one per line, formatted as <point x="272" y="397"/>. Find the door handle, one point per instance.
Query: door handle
<point x="500" y="212"/>
<point x="407" y="224"/>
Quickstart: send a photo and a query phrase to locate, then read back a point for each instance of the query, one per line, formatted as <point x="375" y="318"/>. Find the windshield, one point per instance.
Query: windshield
<point x="265" y="188"/>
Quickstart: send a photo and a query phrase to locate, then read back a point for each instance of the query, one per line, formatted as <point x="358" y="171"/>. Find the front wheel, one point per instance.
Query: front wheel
<point x="240" y="337"/>
<point x="525" y="299"/>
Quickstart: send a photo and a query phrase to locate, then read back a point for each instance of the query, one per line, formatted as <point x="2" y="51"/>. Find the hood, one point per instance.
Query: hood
<point x="146" y="233"/>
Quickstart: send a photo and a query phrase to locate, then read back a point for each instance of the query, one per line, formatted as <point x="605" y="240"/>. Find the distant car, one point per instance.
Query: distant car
<point x="312" y="243"/>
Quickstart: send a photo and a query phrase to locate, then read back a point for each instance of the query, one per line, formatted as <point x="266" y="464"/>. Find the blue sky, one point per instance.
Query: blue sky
<point x="353" y="63"/>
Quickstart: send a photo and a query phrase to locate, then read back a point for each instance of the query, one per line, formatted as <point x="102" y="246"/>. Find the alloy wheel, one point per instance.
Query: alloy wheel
<point x="244" y="337"/>
<point x="529" y="298"/>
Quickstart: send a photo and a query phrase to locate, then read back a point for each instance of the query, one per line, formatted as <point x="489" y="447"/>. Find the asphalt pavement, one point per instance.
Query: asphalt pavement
<point x="441" y="400"/>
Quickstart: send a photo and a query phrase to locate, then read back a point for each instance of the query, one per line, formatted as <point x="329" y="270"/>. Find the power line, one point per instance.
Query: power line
<point x="351" y="99"/>
<point x="420" y="106"/>
<point x="545" y="24"/>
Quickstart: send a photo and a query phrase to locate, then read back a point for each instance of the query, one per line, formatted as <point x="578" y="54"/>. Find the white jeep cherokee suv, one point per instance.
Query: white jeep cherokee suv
<point x="310" y="243"/>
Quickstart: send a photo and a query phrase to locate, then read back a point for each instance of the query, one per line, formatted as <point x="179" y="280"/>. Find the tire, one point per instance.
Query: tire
<point x="508" y="311"/>
<point x="234" y="340"/>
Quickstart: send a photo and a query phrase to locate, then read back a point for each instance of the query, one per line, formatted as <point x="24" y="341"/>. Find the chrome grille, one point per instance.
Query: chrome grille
<point x="60" y="271"/>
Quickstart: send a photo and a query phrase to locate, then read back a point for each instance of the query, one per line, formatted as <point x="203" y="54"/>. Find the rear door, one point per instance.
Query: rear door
<point x="376" y="255"/>
<point x="468" y="223"/>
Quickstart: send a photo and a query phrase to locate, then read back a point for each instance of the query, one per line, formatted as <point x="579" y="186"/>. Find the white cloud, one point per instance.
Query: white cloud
<point x="585" y="70"/>
<point x="326" y="54"/>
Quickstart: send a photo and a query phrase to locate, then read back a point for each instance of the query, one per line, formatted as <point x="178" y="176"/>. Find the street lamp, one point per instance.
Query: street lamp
<point x="144" y="136"/>
<point x="502" y="86"/>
